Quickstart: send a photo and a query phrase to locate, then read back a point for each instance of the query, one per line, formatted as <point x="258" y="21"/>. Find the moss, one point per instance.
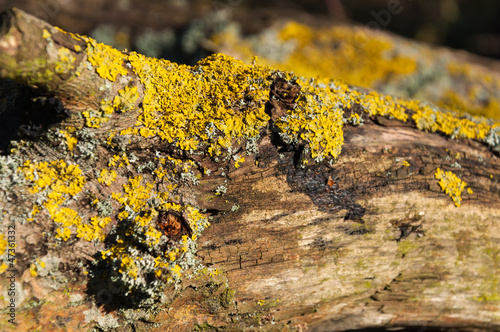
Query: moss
<point x="226" y="297"/>
<point x="205" y="327"/>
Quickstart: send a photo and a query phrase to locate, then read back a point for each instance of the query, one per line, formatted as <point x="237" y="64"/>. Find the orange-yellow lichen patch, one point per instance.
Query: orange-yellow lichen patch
<point x="239" y="161"/>
<point x="189" y="107"/>
<point x="36" y="266"/>
<point x="65" y="61"/>
<point x="3" y="247"/>
<point x="452" y="185"/>
<point x="70" y="139"/>
<point x="433" y="120"/>
<point x="354" y="55"/>
<point x="360" y="57"/>
<point x="46" y="34"/>
<point x="3" y="244"/>
<point x="109" y="62"/>
<point x="93" y="118"/>
<point x="75" y="36"/>
<point x="57" y="176"/>
<point x="119" y="161"/>
<point x="479" y="96"/>
<point x="57" y="181"/>
<point x="66" y="218"/>
<point x="384" y="105"/>
<point x="107" y="177"/>
<point x="125" y="101"/>
<point x="135" y="195"/>
<point x="128" y="265"/>
<point x="317" y="118"/>
<point x="93" y="231"/>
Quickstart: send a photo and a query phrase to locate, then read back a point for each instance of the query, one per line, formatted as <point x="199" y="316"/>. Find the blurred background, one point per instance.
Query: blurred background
<point x="139" y="25"/>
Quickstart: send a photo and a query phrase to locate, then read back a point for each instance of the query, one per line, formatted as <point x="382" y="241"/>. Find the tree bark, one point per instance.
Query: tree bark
<point x="367" y="241"/>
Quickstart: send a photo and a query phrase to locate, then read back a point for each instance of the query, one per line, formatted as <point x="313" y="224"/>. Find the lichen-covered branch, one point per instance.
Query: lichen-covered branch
<point x="240" y="195"/>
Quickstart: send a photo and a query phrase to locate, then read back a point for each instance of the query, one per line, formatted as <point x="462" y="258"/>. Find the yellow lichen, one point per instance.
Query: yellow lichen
<point x="66" y="217"/>
<point x="46" y="34"/>
<point x="118" y="160"/>
<point x="479" y="96"/>
<point x="65" y="61"/>
<point x="354" y="55"/>
<point x="107" y="60"/>
<point x="317" y="118"/>
<point x="128" y="265"/>
<point x="432" y="120"/>
<point x="94" y="119"/>
<point x="177" y="270"/>
<point x="36" y="266"/>
<point x="239" y="161"/>
<point x="122" y="215"/>
<point x="70" y="139"/>
<point x="107" y="177"/>
<point x="190" y="107"/>
<point x="59" y="181"/>
<point x="135" y="195"/>
<point x="125" y="101"/>
<point x="3" y="244"/>
<point x="57" y="175"/>
<point x="451" y="185"/>
<point x="33" y="270"/>
<point x="93" y="231"/>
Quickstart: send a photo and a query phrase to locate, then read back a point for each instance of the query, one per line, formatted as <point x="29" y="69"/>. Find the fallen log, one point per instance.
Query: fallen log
<point x="231" y="196"/>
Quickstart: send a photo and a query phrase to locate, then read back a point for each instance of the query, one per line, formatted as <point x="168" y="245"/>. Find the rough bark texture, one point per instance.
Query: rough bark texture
<point x="367" y="241"/>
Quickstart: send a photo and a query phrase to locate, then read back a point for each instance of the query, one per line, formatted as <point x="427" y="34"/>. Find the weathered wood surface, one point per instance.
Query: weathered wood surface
<point x="366" y="242"/>
<point x="412" y="260"/>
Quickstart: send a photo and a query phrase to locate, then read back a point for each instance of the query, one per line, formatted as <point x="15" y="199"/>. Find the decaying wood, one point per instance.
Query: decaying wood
<point x="364" y="243"/>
